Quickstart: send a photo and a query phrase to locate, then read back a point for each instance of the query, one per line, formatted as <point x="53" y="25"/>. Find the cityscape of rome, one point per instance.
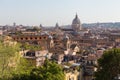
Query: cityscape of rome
<point x="63" y="44"/>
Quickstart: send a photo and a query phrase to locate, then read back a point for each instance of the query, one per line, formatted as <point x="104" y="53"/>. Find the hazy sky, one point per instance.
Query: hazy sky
<point x="48" y="12"/>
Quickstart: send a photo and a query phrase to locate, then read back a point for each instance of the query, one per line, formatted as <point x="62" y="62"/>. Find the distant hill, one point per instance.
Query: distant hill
<point x="109" y="24"/>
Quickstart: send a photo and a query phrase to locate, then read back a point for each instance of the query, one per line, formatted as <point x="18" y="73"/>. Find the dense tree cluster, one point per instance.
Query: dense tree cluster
<point x="14" y="67"/>
<point x="108" y="65"/>
<point x="31" y="47"/>
<point x="8" y="58"/>
<point x="49" y="71"/>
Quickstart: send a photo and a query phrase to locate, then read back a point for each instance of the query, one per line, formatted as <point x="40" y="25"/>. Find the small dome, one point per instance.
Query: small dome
<point x="76" y="20"/>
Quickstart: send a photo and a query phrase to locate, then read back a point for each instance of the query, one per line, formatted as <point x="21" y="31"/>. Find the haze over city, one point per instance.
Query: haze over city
<point x="48" y="12"/>
<point x="59" y="39"/>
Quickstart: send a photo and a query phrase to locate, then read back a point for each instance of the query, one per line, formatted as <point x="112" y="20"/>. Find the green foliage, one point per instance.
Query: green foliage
<point x="13" y="67"/>
<point x="67" y="64"/>
<point x="1" y="38"/>
<point x="23" y="70"/>
<point x="35" y="28"/>
<point x="108" y="65"/>
<point x="31" y="47"/>
<point x="7" y="53"/>
<point x="23" y="66"/>
<point x="21" y="77"/>
<point x="49" y="71"/>
<point x="18" y="33"/>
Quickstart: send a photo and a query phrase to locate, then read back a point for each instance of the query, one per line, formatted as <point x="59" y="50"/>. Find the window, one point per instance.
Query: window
<point x="44" y="37"/>
<point x="26" y="38"/>
<point x="35" y="37"/>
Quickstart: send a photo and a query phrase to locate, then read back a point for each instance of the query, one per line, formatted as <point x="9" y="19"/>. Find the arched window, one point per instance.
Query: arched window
<point x="35" y="37"/>
<point x="26" y="38"/>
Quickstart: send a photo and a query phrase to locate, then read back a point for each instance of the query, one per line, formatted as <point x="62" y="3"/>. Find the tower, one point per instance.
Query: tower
<point x="14" y="24"/>
<point x="41" y="27"/>
<point x="50" y="42"/>
<point x="66" y="42"/>
<point x="56" y="26"/>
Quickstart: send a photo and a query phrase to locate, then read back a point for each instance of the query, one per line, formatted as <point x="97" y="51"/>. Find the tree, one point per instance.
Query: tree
<point x="11" y="62"/>
<point x="23" y="66"/>
<point x="7" y="55"/>
<point x="23" y="70"/>
<point x="108" y="65"/>
<point x="31" y="47"/>
<point x="49" y="71"/>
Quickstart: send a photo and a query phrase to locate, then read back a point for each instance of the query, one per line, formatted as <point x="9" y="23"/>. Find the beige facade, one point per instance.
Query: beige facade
<point x="75" y="75"/>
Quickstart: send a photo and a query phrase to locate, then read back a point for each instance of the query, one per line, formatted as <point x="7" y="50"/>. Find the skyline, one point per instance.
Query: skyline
<point x="48" y="13"/>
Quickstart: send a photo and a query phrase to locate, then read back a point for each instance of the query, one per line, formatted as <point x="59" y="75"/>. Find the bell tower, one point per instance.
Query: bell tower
<point x="66" y="42"/>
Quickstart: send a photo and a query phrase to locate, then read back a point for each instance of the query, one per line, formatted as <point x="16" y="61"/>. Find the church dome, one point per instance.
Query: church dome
<point x="76" y="24"/>
<point x="76" y="20"/>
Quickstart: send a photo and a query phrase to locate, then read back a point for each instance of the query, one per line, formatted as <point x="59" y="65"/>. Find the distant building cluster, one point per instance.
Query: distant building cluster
<point x="71" y="46"/>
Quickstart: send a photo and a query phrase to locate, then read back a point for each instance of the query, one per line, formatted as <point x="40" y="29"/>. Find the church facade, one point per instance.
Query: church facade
<point x="75" y="28"/>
